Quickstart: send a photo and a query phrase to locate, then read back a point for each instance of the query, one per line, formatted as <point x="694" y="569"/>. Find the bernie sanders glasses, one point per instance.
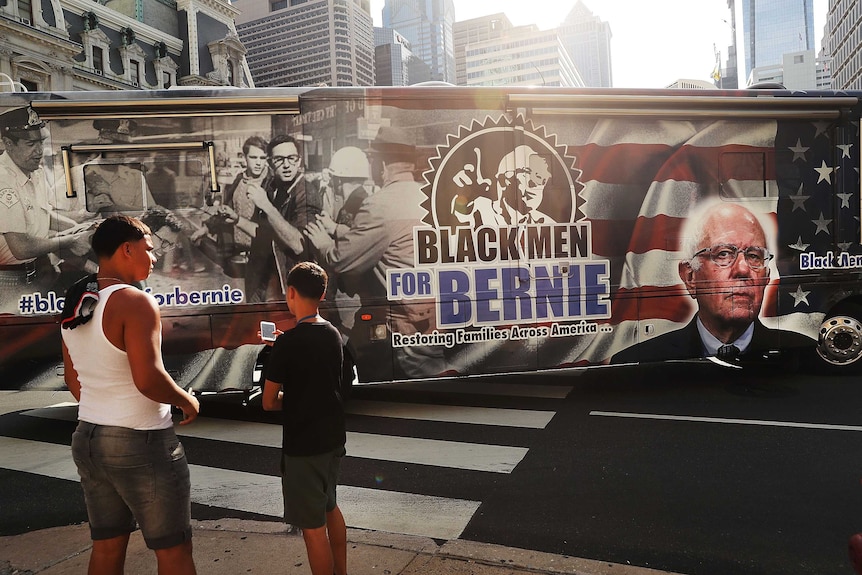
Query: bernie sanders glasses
<point x="725" y="255"/>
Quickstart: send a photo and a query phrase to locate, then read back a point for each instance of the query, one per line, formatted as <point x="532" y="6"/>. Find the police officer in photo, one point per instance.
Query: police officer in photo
<point x="28" y="223"/>
<point x="381" y="238"/>
<point x="115" y="187"/>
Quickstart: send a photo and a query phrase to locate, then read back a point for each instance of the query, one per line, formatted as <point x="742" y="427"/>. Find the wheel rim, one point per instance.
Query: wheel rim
<point x="840" y="340"/>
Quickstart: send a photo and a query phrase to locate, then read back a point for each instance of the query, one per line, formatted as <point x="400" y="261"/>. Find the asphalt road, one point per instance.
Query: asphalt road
<point x="718" y="484"/>
<point x="688" y="468"/>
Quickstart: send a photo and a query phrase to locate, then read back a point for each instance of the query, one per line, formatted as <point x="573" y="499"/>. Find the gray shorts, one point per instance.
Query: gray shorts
<point x="130" y="476"/>
<point x="308" y="485"/>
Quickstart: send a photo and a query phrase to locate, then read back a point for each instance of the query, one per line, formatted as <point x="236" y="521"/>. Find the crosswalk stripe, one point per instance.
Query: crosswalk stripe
<point x="363" y="508"/>
<point x="452" y="454"/>
<point x="397" y="512"/>
<point x="449" y="454"/>
<point x="526" y="418"/>
<point x="452" y="413"/>
<point x="38" y="457"/>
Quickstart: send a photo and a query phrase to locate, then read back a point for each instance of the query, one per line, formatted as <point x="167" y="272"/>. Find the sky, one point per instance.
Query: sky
<point x="653" y="43"/>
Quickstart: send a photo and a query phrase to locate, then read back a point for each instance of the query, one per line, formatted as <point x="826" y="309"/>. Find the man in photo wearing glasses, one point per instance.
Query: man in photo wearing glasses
<point x="726" y="272"/>
<point x="285" y="205"/>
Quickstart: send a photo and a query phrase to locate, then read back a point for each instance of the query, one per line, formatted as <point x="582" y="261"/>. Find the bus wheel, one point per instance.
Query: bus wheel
<point x="839" y="343"/>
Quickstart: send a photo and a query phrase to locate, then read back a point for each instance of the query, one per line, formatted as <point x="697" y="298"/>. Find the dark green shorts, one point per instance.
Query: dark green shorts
<point x="308" y="485"/>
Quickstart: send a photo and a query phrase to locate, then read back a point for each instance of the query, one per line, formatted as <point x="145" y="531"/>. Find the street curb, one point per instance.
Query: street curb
<point x="519" y="560"/>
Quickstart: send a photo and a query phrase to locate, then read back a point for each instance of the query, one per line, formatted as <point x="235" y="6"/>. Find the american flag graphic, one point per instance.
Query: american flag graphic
<point x="643" y="178"/>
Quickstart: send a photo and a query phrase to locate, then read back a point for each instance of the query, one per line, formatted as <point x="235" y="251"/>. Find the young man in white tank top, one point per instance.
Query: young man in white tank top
<point x="124" y="446"/>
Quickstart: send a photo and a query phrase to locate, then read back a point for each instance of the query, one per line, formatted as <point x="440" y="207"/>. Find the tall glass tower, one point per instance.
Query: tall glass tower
<point x="772" y="28"/>
<point x="429" y="27"/>
<point x="588" y="40"/>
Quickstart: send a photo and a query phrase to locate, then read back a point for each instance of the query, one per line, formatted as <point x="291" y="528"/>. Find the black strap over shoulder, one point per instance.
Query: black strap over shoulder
<point x="80" y="302"/>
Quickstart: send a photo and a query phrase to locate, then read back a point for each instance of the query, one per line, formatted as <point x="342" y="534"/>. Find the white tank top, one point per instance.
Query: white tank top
<point x="108" y="392"/>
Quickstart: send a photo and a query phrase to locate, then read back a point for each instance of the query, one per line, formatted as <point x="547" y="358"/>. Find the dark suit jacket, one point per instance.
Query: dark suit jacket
<point x="685" y="343"/>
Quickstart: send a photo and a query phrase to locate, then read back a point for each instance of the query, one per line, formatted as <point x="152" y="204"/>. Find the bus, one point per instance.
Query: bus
<point x="465" y="231"/>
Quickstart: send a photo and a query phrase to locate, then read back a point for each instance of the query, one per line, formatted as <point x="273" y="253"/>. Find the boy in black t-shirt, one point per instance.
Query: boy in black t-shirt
<point x="302" y="381"/>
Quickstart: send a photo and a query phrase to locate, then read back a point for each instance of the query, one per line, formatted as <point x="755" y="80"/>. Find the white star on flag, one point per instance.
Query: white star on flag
<point x="822" y="224"/>
<point x="821" y="128"/>
<point x="799" y="200"/>
<point x="825" y="173"/>
<point x="799" y="245"/>
<point x="800" y="296"/>
<point x="798" y="151"/>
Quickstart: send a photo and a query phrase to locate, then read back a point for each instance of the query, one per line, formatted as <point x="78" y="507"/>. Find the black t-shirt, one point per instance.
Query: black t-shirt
<point x="306" y="362"/>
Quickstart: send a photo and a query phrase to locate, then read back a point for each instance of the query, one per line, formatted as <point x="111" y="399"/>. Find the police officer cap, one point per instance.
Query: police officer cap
<point x="116" y="129"/>
<point x="22" y="123"/>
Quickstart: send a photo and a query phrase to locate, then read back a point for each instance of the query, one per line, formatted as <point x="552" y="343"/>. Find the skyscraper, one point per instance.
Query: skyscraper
<point x="308" y="42"/>
<point x="843" y="44"/>
<point x="588" y="40"/>
<point x="729" y="79"/>
<point x="476" y="30"/>
<point x="772" y="28"/>
<point x="394" y="62"/>
<point x="429" y="26"/>
<point x="504" y="61"/>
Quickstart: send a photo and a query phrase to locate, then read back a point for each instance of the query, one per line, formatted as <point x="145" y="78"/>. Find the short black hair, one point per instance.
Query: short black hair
<point x="283" y="139"/>
<point x="308" y="279"/>
<point x="115" y="231"/>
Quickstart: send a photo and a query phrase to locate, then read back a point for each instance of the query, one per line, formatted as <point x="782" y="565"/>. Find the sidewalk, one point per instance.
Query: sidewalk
<point x="234" y="547"/>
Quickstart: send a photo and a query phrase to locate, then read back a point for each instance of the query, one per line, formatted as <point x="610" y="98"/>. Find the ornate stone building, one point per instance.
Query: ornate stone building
<point x="55" y="45"/>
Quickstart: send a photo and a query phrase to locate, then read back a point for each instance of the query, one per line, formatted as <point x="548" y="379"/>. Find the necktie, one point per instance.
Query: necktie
<point x="728" y="352"/>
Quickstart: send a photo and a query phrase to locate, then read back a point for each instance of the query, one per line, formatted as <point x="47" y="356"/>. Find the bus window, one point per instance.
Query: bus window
<point x="125" y="184"/>
<point x="177" y="182"/>
<point x="742" y="176"/>
<point x="115" y="187"/>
